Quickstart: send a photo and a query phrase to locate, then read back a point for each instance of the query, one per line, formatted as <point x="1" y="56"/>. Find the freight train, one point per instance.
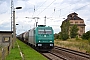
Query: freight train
<point x="41" y="37"/>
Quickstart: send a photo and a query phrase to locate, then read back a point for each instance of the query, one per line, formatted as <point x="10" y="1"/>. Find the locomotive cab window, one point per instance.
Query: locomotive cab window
<point x="49" y="31"/>
<point x="44" y="31"/>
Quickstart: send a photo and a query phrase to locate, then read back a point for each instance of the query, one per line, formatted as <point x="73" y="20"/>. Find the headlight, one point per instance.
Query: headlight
<point x="39" y="44"/>
<point x="44" y="35"/>
<point x="50" y="41"/>
<point x="39" y="41"/>
<point x="51" y="44"/>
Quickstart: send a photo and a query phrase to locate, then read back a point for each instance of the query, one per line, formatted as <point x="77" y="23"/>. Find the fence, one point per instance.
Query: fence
<point x="4" y="52"/>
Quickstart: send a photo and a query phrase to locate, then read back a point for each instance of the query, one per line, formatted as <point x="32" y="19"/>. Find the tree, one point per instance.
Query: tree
<point x="56" y="36"/>
<point x="86" y="35"/>
<point x="65" y="30"/>
<point x="74" y="31"/>
<point x="59" y="35"/>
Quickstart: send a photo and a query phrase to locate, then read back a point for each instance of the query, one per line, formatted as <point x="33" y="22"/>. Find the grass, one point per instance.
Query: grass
<point x="79" y="45"/>
<point x="3" y="53"/>
<point x="0" y="53"/>
<point x="29" y="53"/>
<point x="14" y="54"/>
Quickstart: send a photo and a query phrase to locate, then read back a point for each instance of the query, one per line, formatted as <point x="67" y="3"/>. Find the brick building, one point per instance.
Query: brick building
<point x="74" y="19"/>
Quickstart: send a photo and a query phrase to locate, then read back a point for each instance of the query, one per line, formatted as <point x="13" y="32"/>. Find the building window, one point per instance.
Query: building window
<point x="81" y="22"/>
<point x="6" y="39"/>
<point x="76" y="22"/>
<point x="71" y="22"/>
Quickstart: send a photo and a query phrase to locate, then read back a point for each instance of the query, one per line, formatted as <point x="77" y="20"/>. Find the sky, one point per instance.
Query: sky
<point x="54" y="10"/>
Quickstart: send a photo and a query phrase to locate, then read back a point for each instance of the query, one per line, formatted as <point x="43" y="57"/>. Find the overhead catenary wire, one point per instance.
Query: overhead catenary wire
<point x="82" y="7"/>
<point x="38" y="7"/>
<point x="79" y="8"/>
<point x="41" y="5"/>
<point x="57" y="10"/>
<point x="46" y="7"/>
<point x="53" y="12"/>
<point x="34" y="10"/>
<point x="63" y="8"/>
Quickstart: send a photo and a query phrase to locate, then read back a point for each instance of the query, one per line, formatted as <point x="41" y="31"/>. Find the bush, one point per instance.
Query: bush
<point x="89" y="41"/>
<point x="56" y="36"/>
<point x="77" y="38"/>
<point x="65" y="36"/>
<point x="86" y="35"/>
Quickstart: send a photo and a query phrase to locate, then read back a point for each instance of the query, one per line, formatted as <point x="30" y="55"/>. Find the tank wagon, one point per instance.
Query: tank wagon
<point x="41" y="37"/>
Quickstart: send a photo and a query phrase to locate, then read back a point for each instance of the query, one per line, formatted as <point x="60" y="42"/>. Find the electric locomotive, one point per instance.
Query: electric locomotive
<point x="42" y="37"/>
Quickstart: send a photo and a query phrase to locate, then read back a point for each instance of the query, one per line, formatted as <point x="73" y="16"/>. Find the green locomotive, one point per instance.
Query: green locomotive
<point x="42" y="37"/>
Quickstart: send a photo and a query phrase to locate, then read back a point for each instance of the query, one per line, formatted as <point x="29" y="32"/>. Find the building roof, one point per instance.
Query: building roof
<point x="73" y="16"/>
<point x="6" y="31"/>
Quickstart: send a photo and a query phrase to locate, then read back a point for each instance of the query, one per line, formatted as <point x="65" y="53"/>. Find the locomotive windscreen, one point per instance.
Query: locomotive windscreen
<point x="44" y="31"/>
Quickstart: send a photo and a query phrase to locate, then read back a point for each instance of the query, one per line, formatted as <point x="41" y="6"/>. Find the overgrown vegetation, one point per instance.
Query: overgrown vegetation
<point x="79" y="45"/>
<point x="76" y="43"/>
<point x="73" y="31"/>
<point x="65" y="30"/>
<point x="86" y="35"/>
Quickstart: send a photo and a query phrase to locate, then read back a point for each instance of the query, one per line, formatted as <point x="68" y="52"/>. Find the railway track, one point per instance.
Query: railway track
<point x="71" y="54"/>
<point x="53" y="56"/>
<point x="59" y="53"/>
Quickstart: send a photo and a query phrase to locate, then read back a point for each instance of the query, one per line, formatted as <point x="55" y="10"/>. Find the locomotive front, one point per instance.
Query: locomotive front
<point x="44" y="38"/>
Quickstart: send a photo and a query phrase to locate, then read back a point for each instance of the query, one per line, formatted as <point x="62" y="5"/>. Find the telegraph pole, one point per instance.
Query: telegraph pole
<point x="13" y="27"/>
<point x="45" y="20"/>
<point x="12" y="7"/>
